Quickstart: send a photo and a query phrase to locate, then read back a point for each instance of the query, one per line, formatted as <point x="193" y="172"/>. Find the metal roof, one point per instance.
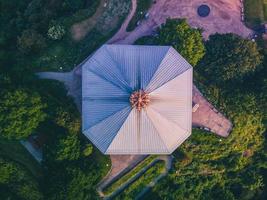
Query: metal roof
<point x="112" y="74"/>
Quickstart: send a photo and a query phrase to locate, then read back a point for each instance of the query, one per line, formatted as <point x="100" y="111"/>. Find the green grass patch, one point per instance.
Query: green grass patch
<point x="13" y="150"/>
<point x="116" y="184"/>
<point x="142" y="8"/>
<point x="137" y="186"/>
<point x="65" y="54"/>
<point x="255" y="12"/>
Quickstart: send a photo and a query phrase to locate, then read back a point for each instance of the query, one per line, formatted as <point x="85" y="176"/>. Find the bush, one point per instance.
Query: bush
<point x="20" y="114"/>
<point x="88" y="150"/>
<point x="31" y="42"/>
<point x="68" y="148"/>
<point x="56" y="32"/>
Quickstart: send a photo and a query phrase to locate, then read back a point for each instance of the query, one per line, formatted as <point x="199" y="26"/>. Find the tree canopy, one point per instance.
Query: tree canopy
<point x="20" y="113"/>
<point x="208" y="167"/>
<point x="17" y="183"/>
<point x="229" y="57"/>
<point x="185" y="39"/>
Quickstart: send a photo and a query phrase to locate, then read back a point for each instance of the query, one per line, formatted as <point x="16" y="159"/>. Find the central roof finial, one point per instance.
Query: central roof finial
<point x="139" y="99"/>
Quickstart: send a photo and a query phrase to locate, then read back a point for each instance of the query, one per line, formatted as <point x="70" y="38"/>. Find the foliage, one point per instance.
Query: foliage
<point x="141" y="10"/>
<point x="69" y="174"/>
<point x="88" y="150"/>
<point x="128" y="176"/>
<point x="20" y="113"/>
<point x="81" y="187"/>
<point x="146" y="40"/>
<point x="186" y="40"/>
<point x="68" y="148"/>
<point x="229" y="57"/>
<point x="67" y="120"/>
<point x="138" y="185"/>
<point x="73" y="5"/>
<point x="255" y="12"/>
<point x="56" y="32"/>
<point x="31" y="42"/>
<point x="13" y="150"/>
<point x="207" y="167"/>
<point x="17" y="183"/>
<point x="113" y="15"/>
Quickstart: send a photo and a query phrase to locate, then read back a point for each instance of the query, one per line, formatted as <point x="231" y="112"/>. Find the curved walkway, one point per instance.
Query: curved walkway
<point x="225" y="17"/>
<point x="121" y="34"/>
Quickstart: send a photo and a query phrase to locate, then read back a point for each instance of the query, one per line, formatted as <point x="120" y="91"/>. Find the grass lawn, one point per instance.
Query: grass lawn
<point x="15" y="151"/>
<point x="142" y="8"/>
<point x="255" y="12"/>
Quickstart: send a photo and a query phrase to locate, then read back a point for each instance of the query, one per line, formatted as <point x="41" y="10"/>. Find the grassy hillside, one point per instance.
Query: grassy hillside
<point x="255" y="12"/>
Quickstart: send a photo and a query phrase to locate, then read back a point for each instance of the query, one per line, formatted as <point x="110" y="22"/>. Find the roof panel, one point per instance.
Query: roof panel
<point x="109" y="78"/>
<point x="172" y="65"/>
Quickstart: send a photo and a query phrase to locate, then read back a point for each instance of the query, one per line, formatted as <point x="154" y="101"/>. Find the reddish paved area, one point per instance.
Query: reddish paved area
<point x="225" y="17"/>
<point x="207" y="116"/>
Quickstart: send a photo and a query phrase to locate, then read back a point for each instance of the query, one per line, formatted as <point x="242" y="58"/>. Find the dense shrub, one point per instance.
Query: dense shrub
<point x="20" y="113"/>
<point x="31" y="42"/>
<point x="68" y="148"/>
<point x="17" y="183"/>
<point x="229" y="57"/>
<point x="88" y="150"/>
<point x="56" y="32"/>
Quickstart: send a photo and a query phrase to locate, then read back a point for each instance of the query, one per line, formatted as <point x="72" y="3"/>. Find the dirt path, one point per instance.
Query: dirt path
<point x="80" y="29"/>
<point x="225" y="17"/>
<point x="121" y="34"/>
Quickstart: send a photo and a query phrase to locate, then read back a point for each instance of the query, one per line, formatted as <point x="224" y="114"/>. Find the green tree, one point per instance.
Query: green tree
<point x="229" y="57"/>
<point x="186" y="40"/>
<point x="68" y="120"/>
<point x="20" y="113"/>
<point x="68" y="148"/>
<point x="17" y="182"/>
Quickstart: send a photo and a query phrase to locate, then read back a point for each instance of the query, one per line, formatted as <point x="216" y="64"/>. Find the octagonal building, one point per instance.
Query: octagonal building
<point x="136" y="99"/>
